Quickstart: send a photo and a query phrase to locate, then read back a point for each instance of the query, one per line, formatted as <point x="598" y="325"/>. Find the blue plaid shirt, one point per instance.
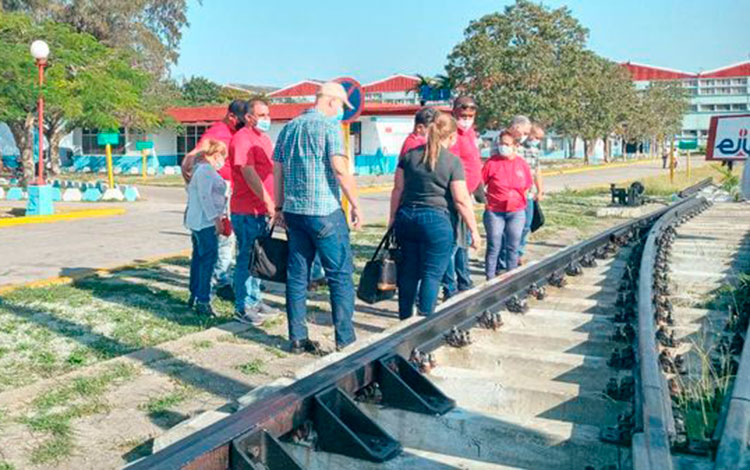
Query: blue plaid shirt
<point x="305" y="147"/>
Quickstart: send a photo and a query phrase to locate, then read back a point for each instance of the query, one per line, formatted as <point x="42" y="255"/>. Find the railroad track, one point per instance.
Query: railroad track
<point x="561" y="365"/>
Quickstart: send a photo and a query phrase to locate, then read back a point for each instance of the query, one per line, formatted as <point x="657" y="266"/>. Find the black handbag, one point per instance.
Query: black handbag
<point x="270" y="257"/>
<point x="378" y="280"/>
<point x="537" y="220"/>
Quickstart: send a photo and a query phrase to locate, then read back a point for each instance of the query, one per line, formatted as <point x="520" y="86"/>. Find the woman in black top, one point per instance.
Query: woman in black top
<point x="429" y="189"/>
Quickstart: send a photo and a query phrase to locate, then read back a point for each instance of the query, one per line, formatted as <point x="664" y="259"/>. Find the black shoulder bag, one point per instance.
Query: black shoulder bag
<point x="538" y="219"/>
<point x="378" y="281"/>
<point x="270" y="257"/>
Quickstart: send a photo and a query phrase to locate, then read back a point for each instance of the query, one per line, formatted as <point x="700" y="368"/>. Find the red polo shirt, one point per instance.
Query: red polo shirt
<point x="223" y="133"/>
<point x="413" y="141"/>
<point x="507" y="182"/>
<point x="250" y="147"/>
<point x="466" y="149"/>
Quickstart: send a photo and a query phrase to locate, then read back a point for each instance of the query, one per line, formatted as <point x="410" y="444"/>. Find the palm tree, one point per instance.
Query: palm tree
<point x="423" y="84"/>
<point x="446" y="84"/>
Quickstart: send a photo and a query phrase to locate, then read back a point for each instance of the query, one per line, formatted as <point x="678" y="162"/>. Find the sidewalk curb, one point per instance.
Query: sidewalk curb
<point x="61" y="280"/>
<point x="73" y="215"/>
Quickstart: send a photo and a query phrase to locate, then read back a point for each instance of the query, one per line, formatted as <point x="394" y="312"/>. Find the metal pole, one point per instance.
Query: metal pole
<point x="347" y="150"/>
<point x="144" y="156"/>
<point x="109" y="166"/>
<point x="40" y="177"/>
<point x="688" y="166"/>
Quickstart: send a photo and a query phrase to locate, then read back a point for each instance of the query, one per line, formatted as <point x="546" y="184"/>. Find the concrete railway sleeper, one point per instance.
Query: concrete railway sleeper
<point x="553" y="367"/>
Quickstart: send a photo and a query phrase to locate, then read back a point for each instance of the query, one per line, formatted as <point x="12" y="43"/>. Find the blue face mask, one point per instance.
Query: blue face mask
<point x="264" y="125"/>
<point x="339" y="115"/>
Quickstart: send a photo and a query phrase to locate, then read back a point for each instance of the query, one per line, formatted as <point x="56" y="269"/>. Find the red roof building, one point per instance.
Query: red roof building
<point x="393" y="84"/>
<point x="640" y="72"/>
<point x="741" y="69"/>
<point x="303" y="88"/>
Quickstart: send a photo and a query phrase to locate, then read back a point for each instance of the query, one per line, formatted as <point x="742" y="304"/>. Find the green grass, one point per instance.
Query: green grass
<point x="161" y="404"/>
<point x="51" y="413"/>
<point x="6" y="465"/>
<point x="252" y="367"/>
<point x="202" y="344"/>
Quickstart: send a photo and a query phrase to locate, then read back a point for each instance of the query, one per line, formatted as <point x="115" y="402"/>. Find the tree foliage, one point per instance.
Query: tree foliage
<point x="87" y="84"/>
<point x="151" y="28"/>
<point x="199" y="90"/>
<point x="532" y="60"/>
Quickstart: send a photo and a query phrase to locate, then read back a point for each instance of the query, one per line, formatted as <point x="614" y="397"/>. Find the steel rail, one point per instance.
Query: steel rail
<point x="652" y="442"/>
<point x="285" y="410"/>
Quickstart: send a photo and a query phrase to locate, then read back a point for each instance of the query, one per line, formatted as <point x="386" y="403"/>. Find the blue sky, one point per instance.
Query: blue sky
<point x="279" y="42"/>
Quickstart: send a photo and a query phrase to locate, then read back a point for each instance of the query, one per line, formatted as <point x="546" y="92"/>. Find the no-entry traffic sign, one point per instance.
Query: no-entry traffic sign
<point x="356" y="98"/>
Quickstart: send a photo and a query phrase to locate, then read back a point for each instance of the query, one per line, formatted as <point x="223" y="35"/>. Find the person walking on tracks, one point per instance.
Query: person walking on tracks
<point x="457" y="277"/>
<point x="252" y="206"/>
<point x="311" y="169"/>
<point x="429" y="193"/>
<point x="508" y="179"/>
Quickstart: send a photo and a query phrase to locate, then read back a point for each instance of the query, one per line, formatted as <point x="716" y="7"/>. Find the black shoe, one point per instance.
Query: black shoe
<point x="205" y="310"/>
<point x="191" y="302"/>
<point x="225" y="292"/>
<point x="306" y="346"/>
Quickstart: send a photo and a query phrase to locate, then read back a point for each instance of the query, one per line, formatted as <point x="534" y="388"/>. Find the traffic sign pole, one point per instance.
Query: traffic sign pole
<point x="688" y="165"/>
<point x="347" y="150"/>
<point x="144" y="156"/>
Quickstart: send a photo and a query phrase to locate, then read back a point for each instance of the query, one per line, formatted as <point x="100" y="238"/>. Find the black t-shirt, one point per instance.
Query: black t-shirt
<point x="423" y="187"/>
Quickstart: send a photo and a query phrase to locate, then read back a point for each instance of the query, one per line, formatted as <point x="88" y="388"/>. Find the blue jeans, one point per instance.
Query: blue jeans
<point x="328" y="236"/>
<point x="526" y="226"/>
<point x="224" y="262"/>
<point x="247" y="228"/>
<point x="425" y="237"/>
<point x="205" y="252"/>
<point x="457" y="276"/>
<point x="503" y="231"/>
<point x="316" y="270"/>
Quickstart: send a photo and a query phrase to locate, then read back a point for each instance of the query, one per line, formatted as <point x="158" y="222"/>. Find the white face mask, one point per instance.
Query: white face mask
<point x="506" y="150"/>
<point x="523" y="138"/>
<point x="465" y="123"/>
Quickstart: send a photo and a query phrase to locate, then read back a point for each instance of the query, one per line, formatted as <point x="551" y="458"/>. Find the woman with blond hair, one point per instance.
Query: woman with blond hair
<point x="203" y="217"/>
<point x="429" y="197"/>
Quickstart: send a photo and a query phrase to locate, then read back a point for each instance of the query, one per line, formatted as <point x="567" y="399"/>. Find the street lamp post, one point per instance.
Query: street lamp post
<point x="40" y="52"/>
<point x="40" y="195"/>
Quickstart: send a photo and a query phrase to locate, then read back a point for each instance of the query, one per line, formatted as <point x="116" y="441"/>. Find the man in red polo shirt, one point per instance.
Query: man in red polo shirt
<point x="458" y="277"/>
<point x="252" y="206"/>
<point x="222" y="131"/>
<point x="418" y="137"/>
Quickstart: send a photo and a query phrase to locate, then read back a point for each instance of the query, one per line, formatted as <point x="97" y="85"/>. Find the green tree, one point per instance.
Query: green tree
<point x="151" y="28"/>
<point x="512" y="62"/>
<point x="86" y="85"/>
<point x="200" y="90"/>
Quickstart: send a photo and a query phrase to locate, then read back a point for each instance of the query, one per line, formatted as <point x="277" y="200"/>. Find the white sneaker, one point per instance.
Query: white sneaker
<point x="266" y="311"/>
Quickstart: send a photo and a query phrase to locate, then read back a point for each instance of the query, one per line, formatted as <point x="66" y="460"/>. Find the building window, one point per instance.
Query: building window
<point x="693" y="108"/>
<point x="739" y="81"/>
<point x="707" y="107"/>
<point x="708" y="91"/>
<point x="89" y="145"/>
<point x="355" y="130"/>
<point x="722" y="107"/>
<point x="739" y="107"/>
<point x="707" y="83"/>
<point x="187" y="141"/>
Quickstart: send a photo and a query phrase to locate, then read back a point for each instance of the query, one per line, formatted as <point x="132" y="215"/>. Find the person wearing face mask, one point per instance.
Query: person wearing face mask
<point x="311" y="170"/>
<point x="457" y="276"/>
<point x="222" y="131"/>
<point x="418" y="137"/>
<point x="252" y="206"/>
<point x="205" y="207"/>
<point x="508" y="179"/>
<point x="429" y="193"/>
<point x="531" y="154"/>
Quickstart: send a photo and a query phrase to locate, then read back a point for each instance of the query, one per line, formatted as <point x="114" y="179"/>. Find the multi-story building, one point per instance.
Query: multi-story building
<point x="725" y="90"/>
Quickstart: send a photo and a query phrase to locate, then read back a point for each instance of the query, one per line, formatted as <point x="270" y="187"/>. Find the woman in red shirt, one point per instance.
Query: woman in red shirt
<point x="507" y="179"/>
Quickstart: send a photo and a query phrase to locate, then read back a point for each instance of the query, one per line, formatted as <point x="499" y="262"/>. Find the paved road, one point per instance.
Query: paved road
<point x="153" y="227"/>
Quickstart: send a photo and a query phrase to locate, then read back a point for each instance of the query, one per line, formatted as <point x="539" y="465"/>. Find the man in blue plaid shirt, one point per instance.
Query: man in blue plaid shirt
<point x="310" y="170"/>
